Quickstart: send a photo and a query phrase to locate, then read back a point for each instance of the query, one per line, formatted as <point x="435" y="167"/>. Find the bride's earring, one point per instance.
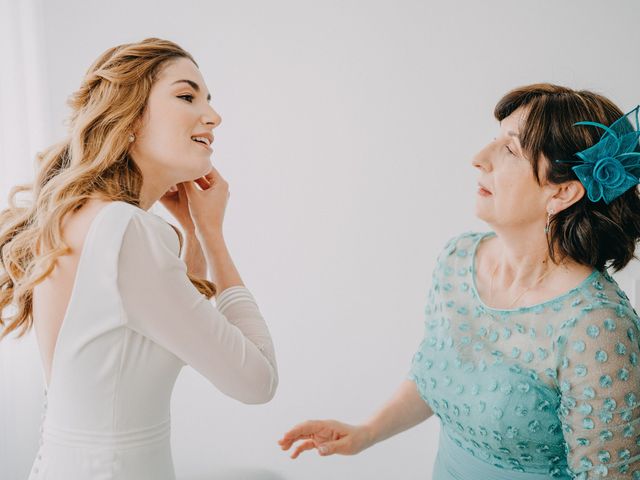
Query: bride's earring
<point x="132" y="138"/>
<point x="546" y="228"/>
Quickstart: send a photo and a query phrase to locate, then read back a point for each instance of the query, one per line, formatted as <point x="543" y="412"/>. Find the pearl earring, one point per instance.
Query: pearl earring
<point x="132" y="137"/>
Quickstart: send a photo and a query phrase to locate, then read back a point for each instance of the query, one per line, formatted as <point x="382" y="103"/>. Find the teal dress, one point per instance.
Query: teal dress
<point x="534" y="393"/>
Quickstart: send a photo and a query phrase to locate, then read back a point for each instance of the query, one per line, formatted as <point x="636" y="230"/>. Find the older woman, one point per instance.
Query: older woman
<point x="530" y="353"/>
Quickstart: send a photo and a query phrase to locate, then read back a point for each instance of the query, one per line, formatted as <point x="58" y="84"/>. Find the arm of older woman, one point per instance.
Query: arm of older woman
<point x="404" y="410"/>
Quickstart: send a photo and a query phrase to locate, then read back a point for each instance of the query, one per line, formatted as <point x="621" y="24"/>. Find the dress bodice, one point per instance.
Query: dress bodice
<point x="133" y="321"/>
<point x="552" y="388"/>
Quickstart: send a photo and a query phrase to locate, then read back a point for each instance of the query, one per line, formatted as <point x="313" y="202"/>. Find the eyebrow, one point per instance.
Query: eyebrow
<point x="194" y="85"/>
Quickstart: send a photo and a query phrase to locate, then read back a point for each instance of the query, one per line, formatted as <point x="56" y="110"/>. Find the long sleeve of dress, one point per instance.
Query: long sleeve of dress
<point x="229" y="345"/>
<point x="599" y="380"/>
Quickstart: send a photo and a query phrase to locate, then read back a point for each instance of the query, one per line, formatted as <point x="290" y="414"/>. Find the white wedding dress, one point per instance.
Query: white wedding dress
<point x="133" y="321"/>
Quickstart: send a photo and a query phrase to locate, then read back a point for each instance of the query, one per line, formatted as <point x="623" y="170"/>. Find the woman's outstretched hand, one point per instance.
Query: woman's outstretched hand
<point x="404" y="410"/>
<point x="328" y="437"/>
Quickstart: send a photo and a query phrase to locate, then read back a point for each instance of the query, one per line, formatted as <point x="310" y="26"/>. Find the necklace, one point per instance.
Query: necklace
<point x="534" y="284"/>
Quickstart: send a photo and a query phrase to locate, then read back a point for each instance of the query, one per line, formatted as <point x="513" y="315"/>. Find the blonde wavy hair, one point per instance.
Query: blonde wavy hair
<point x="92" y="161"/>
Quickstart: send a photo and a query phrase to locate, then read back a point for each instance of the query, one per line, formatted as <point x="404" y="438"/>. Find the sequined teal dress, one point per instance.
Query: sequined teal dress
<point x="540" y="392"/>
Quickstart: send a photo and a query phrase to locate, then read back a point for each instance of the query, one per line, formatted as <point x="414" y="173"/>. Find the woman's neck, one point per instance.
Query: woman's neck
<point x="519" y="257"/>
<point x="514" y="270"/>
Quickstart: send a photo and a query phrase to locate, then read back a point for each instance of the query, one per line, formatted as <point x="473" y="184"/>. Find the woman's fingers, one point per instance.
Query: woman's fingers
<point x="300" y="431"/>
<point x="203" y="183"/>
<point x="207" y="198"/>
<point x="286" y="443"/>
<point x="328" y="436"/>
<point x="212" y="175"/>
<point x="308" y="445"/>
<point x="191" y="190"/>
<point x="324" y="449"/>
<point x="329" y="448"/>
<point x="208" y="181"/>
<point x="171" y="192"/>
<point x="188" y="186"/>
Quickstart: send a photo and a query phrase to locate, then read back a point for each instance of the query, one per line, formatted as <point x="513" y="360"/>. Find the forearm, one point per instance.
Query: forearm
<point x="194" y="256"/>
<point x="404" y="410"/>
<point x="221" y="267"/>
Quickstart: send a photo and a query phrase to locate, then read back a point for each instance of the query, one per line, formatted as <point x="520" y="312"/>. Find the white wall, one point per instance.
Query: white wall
<point x="348" y="130"/>
<point x="25" y="127"/>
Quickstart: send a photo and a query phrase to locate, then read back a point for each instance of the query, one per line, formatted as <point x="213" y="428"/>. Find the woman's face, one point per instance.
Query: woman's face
<point x="177" y="112"/>
<point x="508" y="193"/>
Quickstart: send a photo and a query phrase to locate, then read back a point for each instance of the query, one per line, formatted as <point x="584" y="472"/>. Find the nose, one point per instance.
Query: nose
<point x="482" y="159"/>
<point x="211" y="117"/>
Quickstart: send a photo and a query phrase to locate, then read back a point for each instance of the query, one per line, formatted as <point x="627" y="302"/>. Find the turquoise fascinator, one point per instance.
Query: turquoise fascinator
<point x="612" y="166"/>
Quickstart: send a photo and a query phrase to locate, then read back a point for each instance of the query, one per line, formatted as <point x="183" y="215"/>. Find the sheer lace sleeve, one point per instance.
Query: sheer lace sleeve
<point x="229" y="345"/>
<point x="599" y="380"/>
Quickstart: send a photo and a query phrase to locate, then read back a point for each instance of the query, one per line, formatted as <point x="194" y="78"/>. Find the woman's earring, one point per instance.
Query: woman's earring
<point x="132" y="138"/>
<point x="546" y="228"/>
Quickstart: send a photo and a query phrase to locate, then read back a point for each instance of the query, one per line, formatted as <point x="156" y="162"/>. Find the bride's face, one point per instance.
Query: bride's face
<point x="177" y="111"/>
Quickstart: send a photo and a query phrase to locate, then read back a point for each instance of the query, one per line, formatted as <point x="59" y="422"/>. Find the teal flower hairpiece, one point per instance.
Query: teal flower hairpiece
<point x="612" y="166"/>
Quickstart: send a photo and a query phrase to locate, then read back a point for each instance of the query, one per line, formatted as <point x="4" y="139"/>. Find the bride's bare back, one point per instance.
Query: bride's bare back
<point x="51" y="296"/>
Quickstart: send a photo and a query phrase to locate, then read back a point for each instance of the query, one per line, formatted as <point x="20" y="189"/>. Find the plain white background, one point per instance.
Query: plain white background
<point x="347" y="135"/>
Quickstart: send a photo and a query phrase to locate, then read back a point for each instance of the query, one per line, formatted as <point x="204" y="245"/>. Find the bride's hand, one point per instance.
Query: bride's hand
<point x="208" y="203"/>
<point x="176" y="202"/>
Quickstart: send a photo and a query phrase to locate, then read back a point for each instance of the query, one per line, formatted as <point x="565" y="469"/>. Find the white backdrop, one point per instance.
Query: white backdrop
<point x="347" y="135"/>
<point x="25" y="127"/>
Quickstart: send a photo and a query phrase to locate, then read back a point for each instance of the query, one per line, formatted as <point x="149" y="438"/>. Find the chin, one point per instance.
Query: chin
<point x="482" y="214"/>
<point x="198" y="172"/>
<point x="206" y="168"/>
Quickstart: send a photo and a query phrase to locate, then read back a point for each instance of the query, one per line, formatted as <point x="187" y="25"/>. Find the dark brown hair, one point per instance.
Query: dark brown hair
<point x="592" y="234"/>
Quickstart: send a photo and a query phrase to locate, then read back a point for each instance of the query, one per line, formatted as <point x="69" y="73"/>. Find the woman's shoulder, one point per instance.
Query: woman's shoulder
<point x="462" y="243"/>
<point x="604" y="293"/>
<point x="141" y="227"/>
<point x="599" y="304"/>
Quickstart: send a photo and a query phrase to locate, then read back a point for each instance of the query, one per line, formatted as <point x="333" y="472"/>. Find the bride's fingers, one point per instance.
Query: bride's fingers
<point x="213" y="175"/>
<point x="189" y="187"/>
<point x="169" y="199"/>
<point x="203" y="183"/>
<point x="308" y="445"/>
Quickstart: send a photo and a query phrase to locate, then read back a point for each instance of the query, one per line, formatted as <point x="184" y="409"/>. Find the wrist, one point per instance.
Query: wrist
<point x="368" y="435"/>
<point x="210" y="234"/>
<point x="192" y="243"/>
